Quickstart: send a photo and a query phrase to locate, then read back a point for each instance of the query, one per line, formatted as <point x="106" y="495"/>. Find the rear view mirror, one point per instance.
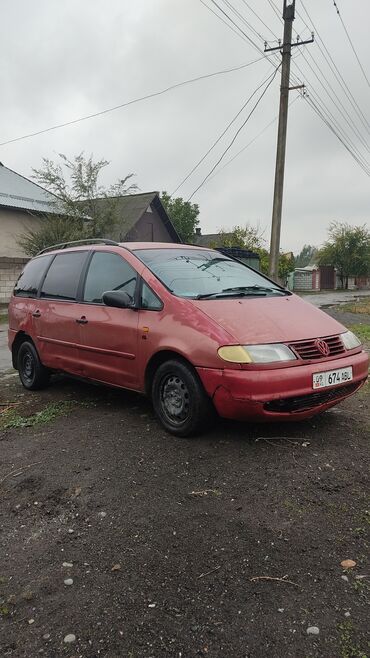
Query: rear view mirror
<point x="117" y="299"/>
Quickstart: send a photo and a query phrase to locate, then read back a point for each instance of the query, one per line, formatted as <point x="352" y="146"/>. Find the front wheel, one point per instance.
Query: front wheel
<point x="179" y="399"/>
<point x="32" y="373"/>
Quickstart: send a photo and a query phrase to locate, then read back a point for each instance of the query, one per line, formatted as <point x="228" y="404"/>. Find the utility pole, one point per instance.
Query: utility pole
<point x="286" y="50"/>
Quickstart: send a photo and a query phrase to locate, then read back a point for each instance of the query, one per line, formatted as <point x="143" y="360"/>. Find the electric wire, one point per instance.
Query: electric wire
<point x="274" y="120"/>
<point x="339" y="105"/>
<point x="132" y="102"/>
<point x="332" y="65"/>
<point x="271" y="80"/>
<point x="223" y="21"/>
<point x="236" y="25"/>
<point x="351" y="43"/>
<point x="221" y="135"/>
<point x="341" y="109"/>
<point x="332" y="129"/>
<point x="260" y="19"/>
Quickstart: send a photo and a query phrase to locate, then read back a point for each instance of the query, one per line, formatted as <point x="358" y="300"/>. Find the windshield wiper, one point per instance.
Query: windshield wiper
<point x="255" y="287"/>
<point x="233" y="292"/>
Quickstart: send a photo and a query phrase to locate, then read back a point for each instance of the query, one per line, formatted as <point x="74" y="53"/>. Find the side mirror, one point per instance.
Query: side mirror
<point x="117" y="299"/>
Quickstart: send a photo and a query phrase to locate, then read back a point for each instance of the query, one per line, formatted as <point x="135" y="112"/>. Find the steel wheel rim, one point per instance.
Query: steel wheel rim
<point x="28" y="367"/>
<point x="175" y="399"/>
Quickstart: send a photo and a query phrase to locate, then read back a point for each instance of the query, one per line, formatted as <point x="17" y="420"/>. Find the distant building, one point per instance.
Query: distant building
<point x="215" y="241"/>
<point x="141" y="217"/>
<point x="22" y="204"/>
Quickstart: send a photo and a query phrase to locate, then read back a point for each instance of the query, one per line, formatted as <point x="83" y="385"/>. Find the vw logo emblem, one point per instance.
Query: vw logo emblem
<point x="322" y="346"/>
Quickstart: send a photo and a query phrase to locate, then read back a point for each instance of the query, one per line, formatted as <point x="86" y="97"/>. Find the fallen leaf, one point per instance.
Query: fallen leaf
<point x="348" y="564"/>
<point x="116" y="567"/>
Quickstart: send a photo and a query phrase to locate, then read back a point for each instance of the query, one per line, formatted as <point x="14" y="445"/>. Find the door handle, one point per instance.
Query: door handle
<point x="82" y="320"/>
<point x="36" y="314"/>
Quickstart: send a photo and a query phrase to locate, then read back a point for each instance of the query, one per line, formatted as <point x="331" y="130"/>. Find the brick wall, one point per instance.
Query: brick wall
<point x="10" y="269"/>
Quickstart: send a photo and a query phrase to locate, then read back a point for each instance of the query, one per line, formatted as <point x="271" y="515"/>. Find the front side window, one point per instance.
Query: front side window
<point x="108" y="272"/>
<point x="29" y="281"/>
<point x="62" y="279"/>
<point x="149" y="301"/>
<point x="202" y="274"/>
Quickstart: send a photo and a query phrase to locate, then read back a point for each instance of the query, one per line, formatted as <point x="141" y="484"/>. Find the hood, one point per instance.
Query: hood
<point x="269" y="319"/>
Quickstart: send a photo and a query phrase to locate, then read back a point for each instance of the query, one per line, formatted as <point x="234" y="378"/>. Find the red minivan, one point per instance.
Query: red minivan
<point x="195" y="330"/>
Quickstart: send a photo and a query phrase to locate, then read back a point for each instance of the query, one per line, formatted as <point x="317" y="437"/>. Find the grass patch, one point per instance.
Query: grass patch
<point x="3" y="318"/>
<point x="361" y="306"/>
<point x="362" y="331"/>
<point x="11" y="418"/>
<point x="348" y="648"/>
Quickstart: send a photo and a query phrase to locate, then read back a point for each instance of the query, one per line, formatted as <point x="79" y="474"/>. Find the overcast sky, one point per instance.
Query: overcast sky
<point x="63" y="60"/>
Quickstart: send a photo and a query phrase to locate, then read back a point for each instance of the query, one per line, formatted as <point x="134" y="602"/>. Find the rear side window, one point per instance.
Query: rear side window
<point x="30" y="279"/>
<point x="108" y="272"/>
<point x="62" y="279"/>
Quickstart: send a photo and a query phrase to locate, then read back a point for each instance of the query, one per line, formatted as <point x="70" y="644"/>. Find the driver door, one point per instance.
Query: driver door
<point x="109" y="336"/>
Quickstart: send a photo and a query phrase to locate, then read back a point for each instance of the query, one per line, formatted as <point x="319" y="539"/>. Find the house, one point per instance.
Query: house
<point x="215" y="241"/>
<point x="22" y="204"/>
<point x="140" y="217"/>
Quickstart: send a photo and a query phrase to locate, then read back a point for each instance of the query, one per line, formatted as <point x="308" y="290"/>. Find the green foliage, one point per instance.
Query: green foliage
<point x="183" y="215"/>
<point x="12" y="419"/>
<point x="75" y="183"/>
<point x="251" y="238"/>
<point x="362" y="331"/>
<point x="247" y="237"/>
<point x="305" y="256"/>
<point x="347" y="249"/>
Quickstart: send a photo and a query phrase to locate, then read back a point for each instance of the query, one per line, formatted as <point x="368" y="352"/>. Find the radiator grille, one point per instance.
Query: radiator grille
<point x="308" y="349"/>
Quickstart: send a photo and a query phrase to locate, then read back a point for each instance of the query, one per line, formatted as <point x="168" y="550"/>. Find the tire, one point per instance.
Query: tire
<point x="179" y="399"/>
<point x="32" y="373"/>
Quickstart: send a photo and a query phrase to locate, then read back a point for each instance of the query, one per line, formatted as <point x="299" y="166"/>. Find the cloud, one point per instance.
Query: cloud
<point x="64" y="60"/>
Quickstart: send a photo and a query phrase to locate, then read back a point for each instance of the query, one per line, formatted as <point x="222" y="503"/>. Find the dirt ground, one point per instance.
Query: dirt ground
<point x="225" y="546"/>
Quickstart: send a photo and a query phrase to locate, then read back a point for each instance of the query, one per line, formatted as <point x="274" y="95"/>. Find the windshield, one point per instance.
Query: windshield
<point x="202" y="274"/>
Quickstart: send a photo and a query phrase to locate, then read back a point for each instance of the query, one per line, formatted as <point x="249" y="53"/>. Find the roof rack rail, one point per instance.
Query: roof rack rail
<point x="75" y="243"/>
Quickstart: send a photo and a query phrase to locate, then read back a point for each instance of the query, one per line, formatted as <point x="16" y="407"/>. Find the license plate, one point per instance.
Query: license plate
<point x="332" y="377"/>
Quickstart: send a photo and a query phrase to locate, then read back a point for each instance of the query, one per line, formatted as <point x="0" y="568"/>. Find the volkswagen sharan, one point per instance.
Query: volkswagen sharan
<point x="195" y="330"/>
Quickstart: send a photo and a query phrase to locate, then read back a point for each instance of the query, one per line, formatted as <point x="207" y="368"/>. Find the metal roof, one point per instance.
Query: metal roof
<point x="19" y="192"/>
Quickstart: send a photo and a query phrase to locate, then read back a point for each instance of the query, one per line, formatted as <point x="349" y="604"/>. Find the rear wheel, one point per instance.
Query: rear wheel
<point x="32" y="373"/>
<point x="179" y="399"/>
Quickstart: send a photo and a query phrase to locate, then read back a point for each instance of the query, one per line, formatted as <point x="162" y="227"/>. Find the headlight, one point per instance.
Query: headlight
<point x="350" y="340"/>
<point x="256" y="353"/>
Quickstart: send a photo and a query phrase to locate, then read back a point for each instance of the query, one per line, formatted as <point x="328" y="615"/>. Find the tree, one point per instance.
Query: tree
<point x="251" y="238"/>
<point x="306" y="255"/>
<point x="75" y="183"/>
<point x="347" y="249"/>
<point x="247" y="237"/>
<point x="183" y="215"/>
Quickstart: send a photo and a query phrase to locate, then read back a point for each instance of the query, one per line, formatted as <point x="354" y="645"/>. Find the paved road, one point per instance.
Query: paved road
<point x="335" y="297"/>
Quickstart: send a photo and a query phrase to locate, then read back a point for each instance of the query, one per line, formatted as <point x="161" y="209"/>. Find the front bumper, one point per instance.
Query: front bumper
<point x="280" y="393"/>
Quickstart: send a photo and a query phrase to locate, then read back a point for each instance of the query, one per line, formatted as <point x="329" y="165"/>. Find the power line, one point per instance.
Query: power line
<point x="339" y="129"/>
<point x="236" y="25"/>
<point x="220" y="136"/>
<point x="259" y="18"/>
<point x="322" y="117"/>
<point x="236" y="134"/>
<point x="250" y="142"/>
<point x="132" y="102"/>
<point x="223" y="21"/>
<point x="335" y="70"/>
<point x="351" y="43"/>
<point x="339" y="105"/>
<point x="243" y="19"/>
